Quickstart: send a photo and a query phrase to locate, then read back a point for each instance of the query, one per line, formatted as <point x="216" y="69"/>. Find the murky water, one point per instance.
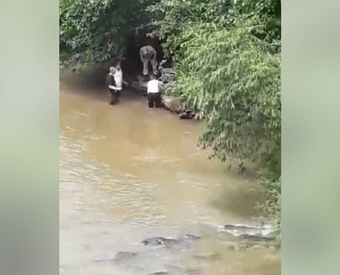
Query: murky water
<point x="128" y="173"/>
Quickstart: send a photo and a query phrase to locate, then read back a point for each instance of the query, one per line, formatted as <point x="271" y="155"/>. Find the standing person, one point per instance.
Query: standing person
<point x="112" y="86"/>
<point x="154" y="89"/>
<point x="118" y="75"/>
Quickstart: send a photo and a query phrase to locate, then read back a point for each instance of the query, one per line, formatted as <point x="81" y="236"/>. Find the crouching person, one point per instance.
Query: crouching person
<point x="154" y="89"/>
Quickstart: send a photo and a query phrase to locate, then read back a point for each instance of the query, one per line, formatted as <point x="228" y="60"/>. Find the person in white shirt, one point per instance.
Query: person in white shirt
<point x="154" y="89"/>
<point x="115" y="83"/>
<point x="119" y="78"/>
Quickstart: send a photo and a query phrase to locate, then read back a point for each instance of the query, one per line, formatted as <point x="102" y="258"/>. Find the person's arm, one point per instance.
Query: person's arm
<point x="111" y="82"/>
<point x="124" y="82"/>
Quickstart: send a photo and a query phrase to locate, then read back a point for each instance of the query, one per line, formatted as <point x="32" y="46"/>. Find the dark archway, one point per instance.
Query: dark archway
<point x="132" y="63"/>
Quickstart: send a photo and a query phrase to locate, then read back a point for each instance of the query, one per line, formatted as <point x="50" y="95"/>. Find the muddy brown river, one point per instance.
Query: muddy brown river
<point x="130" y="174"/>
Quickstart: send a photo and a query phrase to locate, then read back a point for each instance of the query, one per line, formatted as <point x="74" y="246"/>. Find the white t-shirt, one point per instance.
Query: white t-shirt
<point x="153" y="86"/>
<point x="119" y="79"/>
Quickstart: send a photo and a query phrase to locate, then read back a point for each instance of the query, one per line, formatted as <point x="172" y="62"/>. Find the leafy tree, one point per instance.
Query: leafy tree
<point x="228" y="66"/>
<point x="235" y="86"/>
<point x="100" y="24"/>
<point x="173" y="17"/>
<point x="267" y="14"/>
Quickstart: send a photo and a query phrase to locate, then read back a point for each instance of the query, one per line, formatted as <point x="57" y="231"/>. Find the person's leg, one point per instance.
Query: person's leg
<point x="150" y="100"/>
<point x="154" y="64"/>
<point x="145" y="62"/>
<point x="111" y="97"/>
<point x="158" y="100"/>
<point x="116" y="96"/>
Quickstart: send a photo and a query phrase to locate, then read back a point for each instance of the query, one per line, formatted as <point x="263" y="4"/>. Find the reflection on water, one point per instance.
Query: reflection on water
<point x="128" y="172"/>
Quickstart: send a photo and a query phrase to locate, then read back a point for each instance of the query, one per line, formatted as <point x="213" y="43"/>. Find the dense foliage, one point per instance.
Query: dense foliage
<point x="174" y="16"/>
<point x="100" y="26"/>
<point x="228" y="66"/>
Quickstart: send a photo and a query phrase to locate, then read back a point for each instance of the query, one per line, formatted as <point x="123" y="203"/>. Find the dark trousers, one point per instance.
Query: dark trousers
<point x="114" y="96"/>
<point x="155" y="98"/>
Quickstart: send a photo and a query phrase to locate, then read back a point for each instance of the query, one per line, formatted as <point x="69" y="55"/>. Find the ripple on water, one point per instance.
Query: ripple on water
<point x="114" y="212"/>
<point x="96" y="188"/>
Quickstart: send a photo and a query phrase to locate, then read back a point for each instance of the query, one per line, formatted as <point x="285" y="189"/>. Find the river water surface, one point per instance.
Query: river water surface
<point x="128" y="173"/>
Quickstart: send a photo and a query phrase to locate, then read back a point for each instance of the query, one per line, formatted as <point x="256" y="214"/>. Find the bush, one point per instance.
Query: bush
<point x="236" y="87"/>
<point x="272" y="207"/>
<point x="228" y="70"/>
